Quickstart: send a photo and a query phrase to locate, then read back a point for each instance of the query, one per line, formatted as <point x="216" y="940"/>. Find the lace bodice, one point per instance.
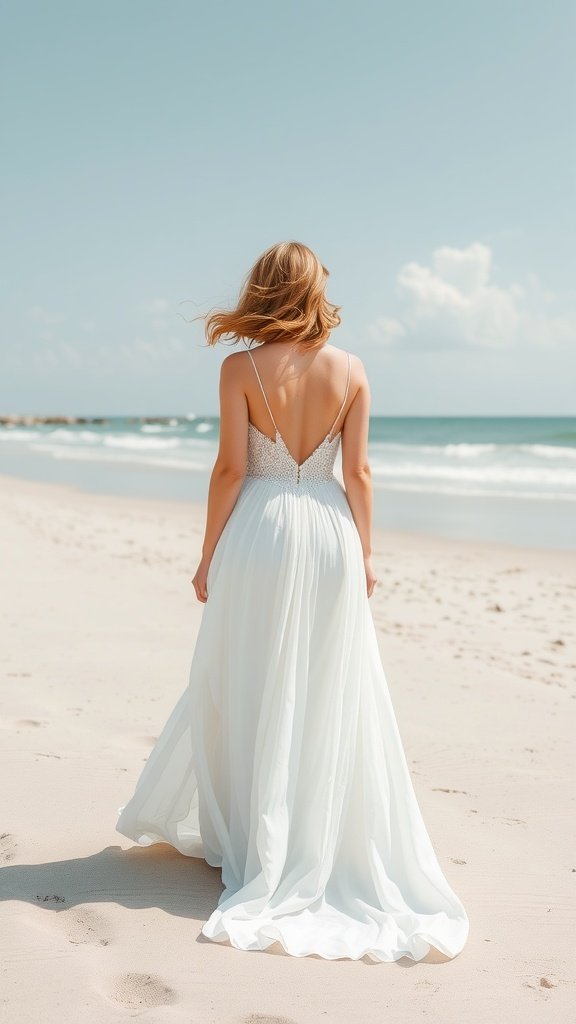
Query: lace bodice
<point x="267" y="458"/>
<point x="272" y="459"/>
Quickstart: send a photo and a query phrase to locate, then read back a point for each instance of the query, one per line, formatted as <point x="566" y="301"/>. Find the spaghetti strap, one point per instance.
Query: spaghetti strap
<point x="263" y="392"/>
<point x="344" y="400"/>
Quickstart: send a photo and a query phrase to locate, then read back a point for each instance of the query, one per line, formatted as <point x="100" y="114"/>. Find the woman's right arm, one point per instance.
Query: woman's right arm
<point x="356" y="471"/>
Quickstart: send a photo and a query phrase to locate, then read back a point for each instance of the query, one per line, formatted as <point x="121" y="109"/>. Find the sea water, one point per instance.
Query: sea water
<point x="508" y="479"/>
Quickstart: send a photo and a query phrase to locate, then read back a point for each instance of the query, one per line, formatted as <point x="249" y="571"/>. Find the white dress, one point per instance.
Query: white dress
<point x="282" y="763"/>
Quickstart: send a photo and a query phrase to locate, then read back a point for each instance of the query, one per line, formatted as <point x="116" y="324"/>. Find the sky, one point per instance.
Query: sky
<point x="425" y="151"/>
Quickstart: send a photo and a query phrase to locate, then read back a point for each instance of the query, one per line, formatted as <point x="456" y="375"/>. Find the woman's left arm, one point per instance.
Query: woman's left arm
<point x="230" y="466"/>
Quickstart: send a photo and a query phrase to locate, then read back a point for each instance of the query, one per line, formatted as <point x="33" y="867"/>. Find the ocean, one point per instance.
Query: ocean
<point x="504" y="479"/>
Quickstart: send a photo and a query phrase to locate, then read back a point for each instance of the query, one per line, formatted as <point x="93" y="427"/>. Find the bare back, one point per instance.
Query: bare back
<point x="305" y="395"/>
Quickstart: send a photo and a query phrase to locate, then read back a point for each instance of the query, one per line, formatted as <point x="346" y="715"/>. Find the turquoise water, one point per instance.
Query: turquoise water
<point x="507" y="478"/>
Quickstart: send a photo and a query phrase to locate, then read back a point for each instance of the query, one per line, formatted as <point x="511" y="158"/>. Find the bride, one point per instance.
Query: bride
<point x="282" y="764"/>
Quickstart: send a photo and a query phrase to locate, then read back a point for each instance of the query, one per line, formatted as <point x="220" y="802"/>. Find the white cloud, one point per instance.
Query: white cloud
<point x="156" y="312"/>
<point x="467" y="269"/>
<point x="454" y="303"/>
<point x="45" y="317"/>
<point x="156" y="306"/>
<point x="385" y="327"/>
<point x="57" y="343"/>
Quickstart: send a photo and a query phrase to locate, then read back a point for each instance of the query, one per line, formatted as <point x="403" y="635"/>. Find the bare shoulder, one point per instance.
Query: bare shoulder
<point x="233" y="364"/>
<point x="356" y="364"/>
<point x="234" y="359"/>
<point x="358" y="375"/>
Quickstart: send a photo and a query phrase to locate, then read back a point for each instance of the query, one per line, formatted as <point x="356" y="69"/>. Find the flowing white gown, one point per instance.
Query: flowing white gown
<point x="282" y="762"/>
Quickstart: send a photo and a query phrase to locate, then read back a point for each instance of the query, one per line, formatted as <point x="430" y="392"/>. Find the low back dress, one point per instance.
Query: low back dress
<point x="282" y="763"/>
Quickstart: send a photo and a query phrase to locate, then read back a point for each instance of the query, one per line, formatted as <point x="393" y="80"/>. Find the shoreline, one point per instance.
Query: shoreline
<point x="380" y="534"/>
<point x="504" y="481"/>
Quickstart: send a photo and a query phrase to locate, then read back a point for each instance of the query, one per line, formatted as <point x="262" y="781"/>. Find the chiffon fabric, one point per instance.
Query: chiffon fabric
<point x="281" y="763"/>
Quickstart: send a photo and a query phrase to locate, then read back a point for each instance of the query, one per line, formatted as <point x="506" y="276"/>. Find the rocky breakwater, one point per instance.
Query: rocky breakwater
<point x="33" y="421"/>
<point x="67" y="421"/>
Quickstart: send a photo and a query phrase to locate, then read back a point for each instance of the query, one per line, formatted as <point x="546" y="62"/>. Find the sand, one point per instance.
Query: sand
<point x="98" y="622"/>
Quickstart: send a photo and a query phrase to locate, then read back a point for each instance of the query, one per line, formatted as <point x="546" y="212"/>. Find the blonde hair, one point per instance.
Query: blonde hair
<point x="282" y="299"/>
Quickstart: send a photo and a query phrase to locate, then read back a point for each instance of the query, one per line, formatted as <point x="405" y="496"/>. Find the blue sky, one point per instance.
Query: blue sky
<point x="425" y="151"/>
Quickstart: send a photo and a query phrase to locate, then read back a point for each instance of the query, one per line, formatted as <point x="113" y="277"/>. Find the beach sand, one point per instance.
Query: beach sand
<point x="99" y="619"/>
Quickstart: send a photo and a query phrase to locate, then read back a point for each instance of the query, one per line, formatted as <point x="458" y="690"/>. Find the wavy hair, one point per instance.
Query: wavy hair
<point x="282" y="299"/>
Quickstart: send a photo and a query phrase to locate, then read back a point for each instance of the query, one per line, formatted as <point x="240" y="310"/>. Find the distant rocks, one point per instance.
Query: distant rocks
<point x="34" y="421"/>
<point x="162" y="421"/>
<point x="72" y="421"/>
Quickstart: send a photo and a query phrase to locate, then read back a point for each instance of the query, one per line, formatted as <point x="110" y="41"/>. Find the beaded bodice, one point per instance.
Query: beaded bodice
<point x="268" y="458"/>
<point x="272" y="459"/>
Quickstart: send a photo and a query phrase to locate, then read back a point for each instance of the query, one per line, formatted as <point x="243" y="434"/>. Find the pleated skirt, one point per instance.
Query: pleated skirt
<point x="282" y="763"/>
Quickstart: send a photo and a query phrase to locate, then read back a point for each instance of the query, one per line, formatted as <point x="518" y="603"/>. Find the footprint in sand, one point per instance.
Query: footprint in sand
<point x="8" y="848"/>
<point x="142" y="741"/>
<point x="266" y="1018"/>
<point x="509" y="821"/>
<point x="441" y="789"/>
<point x="141" y="991"/>
<point x="542" y="983"/>
<point x="83" y="926"/>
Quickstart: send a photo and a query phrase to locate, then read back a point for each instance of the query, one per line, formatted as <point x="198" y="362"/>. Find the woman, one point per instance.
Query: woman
<point x="282" y="764"/>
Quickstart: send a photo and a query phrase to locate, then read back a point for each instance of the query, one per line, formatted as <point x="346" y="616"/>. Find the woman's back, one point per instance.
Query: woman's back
<point x="314" y="400"/>
<point x="305" y="391"/>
